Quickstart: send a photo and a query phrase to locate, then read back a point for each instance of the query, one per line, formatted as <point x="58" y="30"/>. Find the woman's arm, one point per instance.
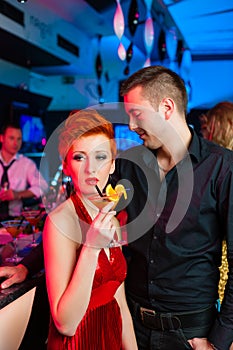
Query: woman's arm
<point x="128" y="335"/>
<point x="69" y="281"/>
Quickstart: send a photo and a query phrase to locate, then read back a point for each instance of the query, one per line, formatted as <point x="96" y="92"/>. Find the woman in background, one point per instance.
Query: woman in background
<point x="84" y="276"/>
<point x="217" y="126"/>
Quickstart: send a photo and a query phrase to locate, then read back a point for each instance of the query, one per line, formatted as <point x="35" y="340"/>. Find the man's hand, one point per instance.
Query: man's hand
<point x="7" y="195"/>
<point x="200" y="344"/>
<point x="14" y="274"/>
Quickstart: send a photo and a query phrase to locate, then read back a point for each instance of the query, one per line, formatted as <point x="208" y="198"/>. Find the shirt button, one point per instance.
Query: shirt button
<point x="152" y="261"/>
<point x="151" y="282"/>
<point x="154" y="237"/>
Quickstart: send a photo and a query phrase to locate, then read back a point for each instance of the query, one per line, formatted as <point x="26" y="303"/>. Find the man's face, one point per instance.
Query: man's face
<point x="11" y="141"/>
<point x="143" y="119"/>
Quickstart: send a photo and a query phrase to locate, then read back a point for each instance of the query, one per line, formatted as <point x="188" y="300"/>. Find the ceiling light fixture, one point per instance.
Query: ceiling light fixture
<point x="22" y="1"/>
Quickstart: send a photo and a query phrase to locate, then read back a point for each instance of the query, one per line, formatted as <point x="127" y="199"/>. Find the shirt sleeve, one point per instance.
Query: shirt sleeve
<point x="221" y="334"/>
<point x="37" y="184"/>
<point x="34" y="261"/>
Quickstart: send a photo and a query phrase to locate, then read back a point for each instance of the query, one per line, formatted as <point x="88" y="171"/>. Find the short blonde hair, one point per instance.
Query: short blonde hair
<point x="219" y="124"/>
<point x="84" y="123"/>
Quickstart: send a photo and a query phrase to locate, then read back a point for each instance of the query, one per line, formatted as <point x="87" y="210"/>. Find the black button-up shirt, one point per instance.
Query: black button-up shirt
<point x="176" y="227"/>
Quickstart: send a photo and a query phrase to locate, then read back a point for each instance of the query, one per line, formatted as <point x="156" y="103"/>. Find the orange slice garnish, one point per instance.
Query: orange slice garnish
<point x="115" y="194"/>
<point x="120" y="189"/>
<point x="111" y="193"/>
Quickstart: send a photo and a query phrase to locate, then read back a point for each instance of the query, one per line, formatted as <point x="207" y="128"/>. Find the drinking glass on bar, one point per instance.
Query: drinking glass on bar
<point x="14" y="227"/>
<point x="33" y="217"/>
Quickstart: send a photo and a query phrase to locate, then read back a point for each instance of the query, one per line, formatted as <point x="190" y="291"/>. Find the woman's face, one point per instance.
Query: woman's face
<point x="207" y="127"/>
<point x="89" y="163"/>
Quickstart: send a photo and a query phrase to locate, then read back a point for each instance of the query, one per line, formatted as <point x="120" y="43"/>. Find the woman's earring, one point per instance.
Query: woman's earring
<point x="110" y="179"/>
<point x="68" y="189"/>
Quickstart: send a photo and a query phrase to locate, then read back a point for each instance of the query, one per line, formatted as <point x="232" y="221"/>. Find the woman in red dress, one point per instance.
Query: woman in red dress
<point x="85" y="278"/>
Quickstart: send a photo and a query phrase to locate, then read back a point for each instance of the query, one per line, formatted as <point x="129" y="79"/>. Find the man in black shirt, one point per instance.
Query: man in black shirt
<point x="180" y="209"/>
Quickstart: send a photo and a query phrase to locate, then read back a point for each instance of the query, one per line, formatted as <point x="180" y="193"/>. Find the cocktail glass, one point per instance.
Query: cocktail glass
<point x="14" y="227"/>
<point x="33" y="217"/>
<point x="100" y="202"/>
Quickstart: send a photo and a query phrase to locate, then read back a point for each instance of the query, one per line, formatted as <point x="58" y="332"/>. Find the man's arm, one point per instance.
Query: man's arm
<point x="13" y="274"/>
<point x="31" y="264"/>
<point x="34" y="261"/>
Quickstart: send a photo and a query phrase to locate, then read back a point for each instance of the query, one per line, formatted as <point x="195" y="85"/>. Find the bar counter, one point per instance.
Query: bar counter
<point x="24" y="310"/>
<point x="6" y="250"/>
<point x="17" y="290"/>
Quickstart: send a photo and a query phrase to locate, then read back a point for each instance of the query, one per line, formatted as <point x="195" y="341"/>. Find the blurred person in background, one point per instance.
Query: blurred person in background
<point x="20" y="178"/>
<point x="217" y="126"/>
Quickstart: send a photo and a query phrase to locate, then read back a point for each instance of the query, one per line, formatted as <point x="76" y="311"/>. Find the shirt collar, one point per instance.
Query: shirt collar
<point x="16" y="156"/>
<point x="194" y="150"/>
<point x="195" y="146"/>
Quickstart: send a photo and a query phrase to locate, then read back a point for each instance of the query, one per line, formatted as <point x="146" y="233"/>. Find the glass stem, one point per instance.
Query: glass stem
<point x="15" y="248"/>
<point x="33" y="234"/>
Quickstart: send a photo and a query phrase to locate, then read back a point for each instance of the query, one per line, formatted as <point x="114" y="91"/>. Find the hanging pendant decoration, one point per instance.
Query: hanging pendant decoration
<point x="147" y="62"/>
<point x="148" y="38"/>
<point x="118" y="21"/>
<point x="162" y="50"/>
<point x="121" y="52"/>
<point x="99" y="71"/>
<point x="148" y="33"/>
<point x="119" y="27"/>
<point x="129" y="55"/>
<point x="98" y="66"/>
<point x="133" y="17"/>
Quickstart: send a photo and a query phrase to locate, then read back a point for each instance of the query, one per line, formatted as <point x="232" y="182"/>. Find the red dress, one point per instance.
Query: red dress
<point x="101" y="326"/>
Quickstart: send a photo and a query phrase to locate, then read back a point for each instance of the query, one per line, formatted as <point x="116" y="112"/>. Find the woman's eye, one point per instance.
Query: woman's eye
<point x="78" y="157"/>
<point x="101" y="157"/>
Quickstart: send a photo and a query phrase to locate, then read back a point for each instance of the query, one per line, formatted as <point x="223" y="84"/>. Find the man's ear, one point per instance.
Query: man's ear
<point x="167" y="107"/>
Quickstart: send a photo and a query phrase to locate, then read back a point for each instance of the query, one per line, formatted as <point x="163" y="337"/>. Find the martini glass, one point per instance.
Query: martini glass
<point x="33" y="217"/>
<point x="14" y="227"/>
<point x="100" y="202"/>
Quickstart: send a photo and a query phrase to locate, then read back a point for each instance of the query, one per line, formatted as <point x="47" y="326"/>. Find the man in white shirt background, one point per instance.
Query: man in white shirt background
<point x="21" y="180"/>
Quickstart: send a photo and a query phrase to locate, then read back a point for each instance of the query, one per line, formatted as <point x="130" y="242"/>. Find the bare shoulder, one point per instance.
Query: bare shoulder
<point x="65" y="220"/>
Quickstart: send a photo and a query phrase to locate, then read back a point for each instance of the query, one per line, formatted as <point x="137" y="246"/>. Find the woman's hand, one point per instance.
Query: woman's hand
<point x="102" y="229"/>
